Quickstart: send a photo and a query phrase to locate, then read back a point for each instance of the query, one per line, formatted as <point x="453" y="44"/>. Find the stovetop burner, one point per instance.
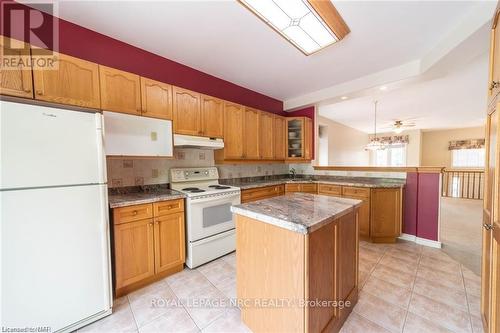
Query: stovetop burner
<point x="219" y="187"/>
<point x="190" y="189"/>
<point x="196" y="191"/>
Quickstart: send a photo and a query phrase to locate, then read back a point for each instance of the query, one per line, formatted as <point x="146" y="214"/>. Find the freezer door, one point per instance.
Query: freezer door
<point x="43" y="146"/>
<point x="55" y="256"/>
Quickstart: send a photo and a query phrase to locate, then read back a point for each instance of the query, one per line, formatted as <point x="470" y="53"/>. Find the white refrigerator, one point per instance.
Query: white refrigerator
<point x="55" y="252"/>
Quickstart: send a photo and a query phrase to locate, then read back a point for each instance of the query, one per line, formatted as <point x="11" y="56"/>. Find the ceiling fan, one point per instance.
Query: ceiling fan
<point x="399" y="126"/>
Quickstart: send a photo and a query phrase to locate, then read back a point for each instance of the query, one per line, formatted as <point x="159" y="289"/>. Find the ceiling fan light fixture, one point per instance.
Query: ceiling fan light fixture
<point x="398" y="130"/>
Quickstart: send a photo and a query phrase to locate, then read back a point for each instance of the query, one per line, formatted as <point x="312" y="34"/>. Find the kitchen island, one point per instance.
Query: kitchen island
<point x="297" y="262"/>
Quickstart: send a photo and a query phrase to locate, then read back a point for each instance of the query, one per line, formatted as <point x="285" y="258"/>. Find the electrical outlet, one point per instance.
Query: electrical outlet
<point x="154" y="136"/>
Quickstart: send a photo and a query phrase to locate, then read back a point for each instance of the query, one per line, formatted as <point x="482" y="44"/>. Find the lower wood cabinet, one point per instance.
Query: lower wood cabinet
<point x="364" y="209"/>
<point x="301" y="187"/>
<point x="259" y="193"/>
<point x="149" y="243"/>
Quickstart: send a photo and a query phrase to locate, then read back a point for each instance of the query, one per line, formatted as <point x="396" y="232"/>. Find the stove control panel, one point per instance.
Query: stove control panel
<point x="178" y="175"/>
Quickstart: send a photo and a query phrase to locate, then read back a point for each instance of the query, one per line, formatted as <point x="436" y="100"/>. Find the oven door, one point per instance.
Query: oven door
<point x="209" y="216"/>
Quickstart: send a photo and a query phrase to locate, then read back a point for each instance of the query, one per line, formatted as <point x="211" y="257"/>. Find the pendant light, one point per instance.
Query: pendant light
<point x="375" y="143"/>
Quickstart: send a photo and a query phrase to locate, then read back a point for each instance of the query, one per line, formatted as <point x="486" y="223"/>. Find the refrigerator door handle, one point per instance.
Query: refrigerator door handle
<point x="101" y="160"/>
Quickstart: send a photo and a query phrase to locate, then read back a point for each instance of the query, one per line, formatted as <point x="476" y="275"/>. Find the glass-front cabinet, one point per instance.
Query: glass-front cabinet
<point x="299" y="139"/>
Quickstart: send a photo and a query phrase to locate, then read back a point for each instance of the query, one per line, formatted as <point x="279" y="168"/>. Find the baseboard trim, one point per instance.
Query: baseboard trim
<point x="421" y="241"/>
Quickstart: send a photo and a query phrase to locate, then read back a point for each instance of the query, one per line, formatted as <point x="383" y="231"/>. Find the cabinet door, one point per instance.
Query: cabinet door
<point x="295" y="138"/>
<point x="279" y="138"/>
<point x="308" y="135"/>
<point x="169" y="241"/>
<point x="156" y="99"/>
<point x="363" y="215"/>
<point x="292" y="188"/>
<point x="309" y="188"/>
<point x="212" y="117"/>
<point x="120" y="91"/>
<point x="385" y="213"/>
<point x="134" y="252"/>
<point x="74" y="82"/>
<point x="494" y="72"/>
<point x="347" y="240"/>
<point x="234" y="115"/>
<point x="15" y="81"/>
<point x="187" y="112"/>
<point x="251" y="134"/>
<point x="266" y="129"/>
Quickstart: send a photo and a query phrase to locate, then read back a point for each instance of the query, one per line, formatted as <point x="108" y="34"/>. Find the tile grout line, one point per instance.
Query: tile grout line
<point x="412" y="290"/>
<point x="466" y="298"/>
<point x="133" y="315"/>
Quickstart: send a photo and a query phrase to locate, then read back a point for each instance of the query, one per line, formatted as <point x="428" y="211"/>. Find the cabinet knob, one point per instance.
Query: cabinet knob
<point x="27" y="90"/>
<point x="134" y="213"/>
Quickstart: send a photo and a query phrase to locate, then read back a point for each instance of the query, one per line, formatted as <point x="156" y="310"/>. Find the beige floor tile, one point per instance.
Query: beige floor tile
<point x="441" y="265"/>
<point x="448" y="279"/>
<point x="394" y="276"/>
<point x="417" y="324"/>
<point x="367" y="266"/>
<point x="385" y="314"/>
<point x="121" y="320"/>
<point x="477" y="324"/>
<point x="408" y="246"/>
<point x="230" y="322"/>
<point x="187" y="281"/>
<point x="175" y="320"/>
<point x="218" y="272"/>
<point x="357" y="324"/>
<point x="470" y="275"/>
<point x="205" y="305"/>
<point x="473" y="287"/>
<point x="399" y="264"/>
<point x="369" y="255"/>
<point x="362" y="278"/>
<point x="382" y="248"/>
<point x="474" y="305"/>
<point x="441" y="293"/>
<point x="404" y="254"/>
<point x="151" y="302"/>
<point x="446" y="315"/>
<point x="230" y="259"/>
<point x="228" y="288"/>
<point x="387" y="291"/>
<point x="436" y="253"/>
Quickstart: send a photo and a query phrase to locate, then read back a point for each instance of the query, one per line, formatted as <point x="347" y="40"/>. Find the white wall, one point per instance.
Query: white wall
<point x="345" y="144"/>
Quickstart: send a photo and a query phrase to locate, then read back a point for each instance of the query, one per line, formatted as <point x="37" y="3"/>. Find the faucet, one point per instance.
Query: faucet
<point x="293" y="172"/>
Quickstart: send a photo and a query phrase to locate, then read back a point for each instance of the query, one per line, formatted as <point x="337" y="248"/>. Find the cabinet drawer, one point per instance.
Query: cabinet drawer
<point x="309" y="188"/>
<point x="330" y="189"/>
<point x="168" y="207"/>
<point x="359" y="192"/>
<point x="261" y="193"/>
<point x="132" y="213"/>
<point x="292" y="187"/>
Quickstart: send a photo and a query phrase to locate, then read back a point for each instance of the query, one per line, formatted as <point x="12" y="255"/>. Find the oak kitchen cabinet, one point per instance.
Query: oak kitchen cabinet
<point x="266" y="137"/>
<point x="301" y="187"/>
<point x="120" y="91"/>
<point x="299" y="139"/>
<point x="212" y="117"/>
<point x="74" y="82"/>
<point x="156" y="99"/>
<point x="364" y="210"/>
<point x="254" y="194"/>
<point x="148" y="243"/>
<point x="16" y="81"/>
<point x="187" y="112"/>
<point x="251" y="134"/>
<point x="279" y="139"/>
<point x="234" y="118"/>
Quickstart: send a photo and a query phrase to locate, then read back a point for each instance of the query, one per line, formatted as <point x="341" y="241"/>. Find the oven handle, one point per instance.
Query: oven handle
<point x="194" y="200"/>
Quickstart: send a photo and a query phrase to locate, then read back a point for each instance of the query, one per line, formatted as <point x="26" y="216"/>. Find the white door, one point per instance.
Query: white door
<point x="43" y="146"/>
<point x="55" y="256"/>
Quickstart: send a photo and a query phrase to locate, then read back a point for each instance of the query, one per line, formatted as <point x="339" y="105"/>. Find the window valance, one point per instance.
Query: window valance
<point x="393" y="140"/>
<point x="466" y="144"/>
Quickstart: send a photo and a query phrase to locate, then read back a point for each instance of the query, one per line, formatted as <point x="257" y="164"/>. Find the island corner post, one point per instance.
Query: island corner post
<point x="289" y="281"/>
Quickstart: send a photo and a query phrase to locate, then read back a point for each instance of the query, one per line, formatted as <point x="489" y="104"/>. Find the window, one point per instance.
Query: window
<point x="393" y="155"/>
<point x="467" y="158"/>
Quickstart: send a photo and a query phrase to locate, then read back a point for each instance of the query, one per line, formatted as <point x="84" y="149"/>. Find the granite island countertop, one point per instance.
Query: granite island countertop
<point x="334" y="180"/>
<point x="298" y="212"/>
<point x="141" y="195"/>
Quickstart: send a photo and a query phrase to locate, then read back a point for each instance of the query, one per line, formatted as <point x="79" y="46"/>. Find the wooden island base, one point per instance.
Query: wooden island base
<point x="275" y="264"/>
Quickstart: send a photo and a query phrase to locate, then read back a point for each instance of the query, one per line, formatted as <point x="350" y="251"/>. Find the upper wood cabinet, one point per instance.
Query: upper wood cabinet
<point x="494" y="73"/>
<point x="15" y="81"/>
<point x="266" y="131"/>
<point x="251" y="134"/>
<point x="279" y="139"/>
<point x="74" y="82"/>
<point x="120" y="91"/>
<point x="299" y="139"/>
<point x="156" y="99"/>
<point x="308" y="136"/>
<point x="187" y="112"/>
<point x="234" y="118"/>
<point x="212" y="117"/>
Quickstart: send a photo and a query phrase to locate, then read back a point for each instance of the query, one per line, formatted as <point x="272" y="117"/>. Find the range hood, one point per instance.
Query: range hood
<point x="189" y="141"/>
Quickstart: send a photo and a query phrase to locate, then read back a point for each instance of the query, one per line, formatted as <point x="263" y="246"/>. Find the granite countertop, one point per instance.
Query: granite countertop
<point x="298" y="212"/>
<point x="139" y="195"/>
<point x="344" y="181"/>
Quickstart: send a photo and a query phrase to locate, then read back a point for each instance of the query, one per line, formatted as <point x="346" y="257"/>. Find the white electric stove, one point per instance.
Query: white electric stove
<point x="209" y="223"/>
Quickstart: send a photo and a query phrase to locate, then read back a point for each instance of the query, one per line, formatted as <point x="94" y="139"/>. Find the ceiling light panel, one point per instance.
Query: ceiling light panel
<point x="295" y="20"/>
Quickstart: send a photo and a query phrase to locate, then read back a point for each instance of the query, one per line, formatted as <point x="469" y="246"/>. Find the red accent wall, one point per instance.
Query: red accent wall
<point x="310" y="113"/>
<point x="428" y="206"/>
<point x="87" y="44"/>
<point x="410" y="204"/>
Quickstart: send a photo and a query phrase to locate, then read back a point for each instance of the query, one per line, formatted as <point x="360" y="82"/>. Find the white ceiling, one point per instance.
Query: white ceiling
<point x="453" y="101"/>
<point x="224" y="39"/>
